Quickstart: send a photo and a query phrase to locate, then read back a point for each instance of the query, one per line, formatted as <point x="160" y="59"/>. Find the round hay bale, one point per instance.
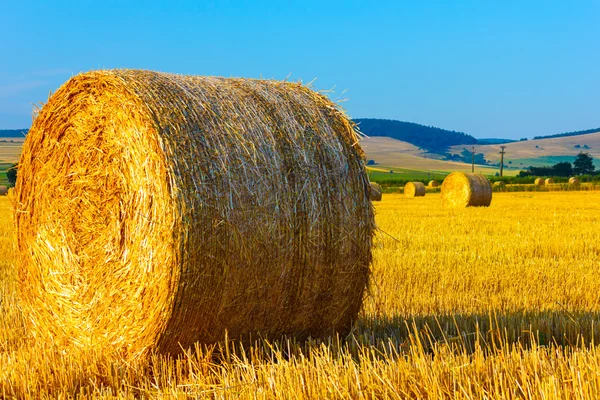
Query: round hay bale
<point x="573" y="180"/>
<point x="414" y="189"/>
<point x="158" y="210"/>
<point x="539" y="181"/>
<point x="548" y="181"/>
<point x="3" y="190"/>
<point x="433" y="184"/>
<point x="376" y="192"/>
<point x="499" y="184"/>
<point x="461" y="189"/>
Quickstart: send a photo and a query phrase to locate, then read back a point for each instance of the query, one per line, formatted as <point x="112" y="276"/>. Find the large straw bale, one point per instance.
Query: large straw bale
<point x="549" y="181"/>
<point x="376" y="192"/>
<point x="414" y="189"/>
<point x="3" y="190"/>
<point x="157" y="210"/>
<point x="573" y="180"/>
<point x="433" y="184"/>
<point x="540" y="181"/>
<point x="461" y="189"/>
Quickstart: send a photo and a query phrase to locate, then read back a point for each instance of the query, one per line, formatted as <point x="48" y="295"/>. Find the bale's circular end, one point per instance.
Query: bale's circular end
<point x="461" y="189"/>
<point x="433" y="184"/>
<point x="574" y="181"/>
<point x="540" y="181"/>
<point x="414" y="189"/>
<point x="375" y="192"/>
<point x="3" y="190"/>
<point x="157" y="210"/>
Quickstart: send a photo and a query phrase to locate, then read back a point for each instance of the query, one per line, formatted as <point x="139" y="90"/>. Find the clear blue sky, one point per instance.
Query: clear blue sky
<point x="491" y="69"/>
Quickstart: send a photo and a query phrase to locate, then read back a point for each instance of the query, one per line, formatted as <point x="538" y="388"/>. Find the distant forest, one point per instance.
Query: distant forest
<point x="568" y="134"/>
<point x="13" y="133"/>
<point x="435" y="140"/>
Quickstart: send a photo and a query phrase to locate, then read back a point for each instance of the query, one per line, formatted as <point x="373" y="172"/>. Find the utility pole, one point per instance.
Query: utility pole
<point x="472" y="158"/>
<point x="502" y="159"/>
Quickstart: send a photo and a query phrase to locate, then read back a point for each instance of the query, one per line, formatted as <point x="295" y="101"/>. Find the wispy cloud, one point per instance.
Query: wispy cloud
<point x="20" y="87"/>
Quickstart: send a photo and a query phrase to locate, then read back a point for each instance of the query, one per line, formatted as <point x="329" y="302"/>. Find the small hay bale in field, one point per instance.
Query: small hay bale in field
<point x="158" y="210"/>
<point x="433" y="184"/>
<point x="414" y="189"/>
<point x="376" y="192"/>
<point x="548" y="181"/>
<point x="499" y="184"/>
<point x="539" y="181"/>
<point x="461" y="189"/>
<point x="573" y="180"/>
<point x="3" y="190"/>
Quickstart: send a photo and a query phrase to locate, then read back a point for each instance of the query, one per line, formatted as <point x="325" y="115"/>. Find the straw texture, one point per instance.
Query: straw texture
<point x="3" y="190"/>
<point x="539" y="181"/>
<point x="549" y="181"/>
<point x="376" y="192"/>
<point x="461" y="189"/>
<point x="156" y="210"/>
<point x="414" y="189"/>
<point x="573" y="180"/>
<point x="433" y="184"/>
<point x="499" y="184"/>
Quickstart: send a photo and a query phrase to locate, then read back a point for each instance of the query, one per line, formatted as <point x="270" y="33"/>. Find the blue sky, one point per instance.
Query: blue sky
<point x="491" y="69"/>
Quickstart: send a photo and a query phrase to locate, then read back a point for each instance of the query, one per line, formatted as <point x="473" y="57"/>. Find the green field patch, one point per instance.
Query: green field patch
<point x="545" y="161"/>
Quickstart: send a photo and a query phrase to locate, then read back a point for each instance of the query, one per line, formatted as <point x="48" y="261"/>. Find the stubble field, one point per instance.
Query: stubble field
<point x="498" y="302"/>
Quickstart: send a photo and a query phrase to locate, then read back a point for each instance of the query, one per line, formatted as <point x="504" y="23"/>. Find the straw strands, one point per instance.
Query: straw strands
<point x="376" y="192"/>
<point x="156" y="210"/>
<point x="414" y="189"/>
<point x="461" y="189"/>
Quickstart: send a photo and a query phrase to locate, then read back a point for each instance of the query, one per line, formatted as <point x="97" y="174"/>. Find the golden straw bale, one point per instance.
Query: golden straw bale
<point x="548" y="181"/>
<point x="376" y="192"/>
<point x="414" y="189"/>
<point x="159" y="210"/>
<point x="573" y="180"/>
<point x="540" y="181"/>
<point x="433" y="184"/>
<point x="499" y="184"/>
<point x="3" y="190"/>
<point x="461" y="189"/>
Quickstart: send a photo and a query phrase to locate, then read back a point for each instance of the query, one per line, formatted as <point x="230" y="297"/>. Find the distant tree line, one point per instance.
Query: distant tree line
<point x="574" y="133"/>
<point x="432" y="139"/>
<point x="583" y="165"/>
<point x="13" y="133"/>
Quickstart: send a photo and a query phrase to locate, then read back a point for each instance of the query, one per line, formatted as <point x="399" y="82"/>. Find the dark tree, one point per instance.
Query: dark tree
<point x="583" y="164"/>
<point x="11" y="174"/>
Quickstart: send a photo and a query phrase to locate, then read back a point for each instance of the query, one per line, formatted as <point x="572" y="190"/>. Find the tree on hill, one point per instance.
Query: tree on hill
<point x="583" y="164"/>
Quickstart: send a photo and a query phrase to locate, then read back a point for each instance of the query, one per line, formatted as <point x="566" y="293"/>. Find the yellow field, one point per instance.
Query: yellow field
<point x="498" y="302"/>
<point x="10" y="149"/>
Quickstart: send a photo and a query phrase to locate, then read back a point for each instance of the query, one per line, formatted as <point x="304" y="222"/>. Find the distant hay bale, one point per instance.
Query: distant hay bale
<point x="414" y="189"/>
<point x="574" y="181"/>
<point x="433" y="184"/>
<point x="158" y="210"/>
<point x="461" y="189"/>
<point x="3" y="190"/>
<point x="540" y="181"/>
<point x="499" y="184"/>
<point x="375" y="192"/>
<point x="548" y="181"/>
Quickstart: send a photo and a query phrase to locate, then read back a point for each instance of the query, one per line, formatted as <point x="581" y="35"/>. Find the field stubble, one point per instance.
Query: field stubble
<point x="498" y="302"/>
